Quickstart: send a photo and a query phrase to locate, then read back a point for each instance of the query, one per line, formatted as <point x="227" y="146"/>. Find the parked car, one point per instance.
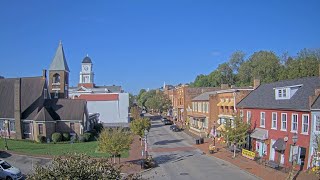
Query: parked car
<point x="163" y="119"/>
<point x="167" y="122"/>
<point x="175" y="128"/>
<point x="9" y="172"/>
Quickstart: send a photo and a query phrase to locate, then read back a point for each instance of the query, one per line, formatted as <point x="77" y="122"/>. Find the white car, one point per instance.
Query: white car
<point x="9" y="172"/>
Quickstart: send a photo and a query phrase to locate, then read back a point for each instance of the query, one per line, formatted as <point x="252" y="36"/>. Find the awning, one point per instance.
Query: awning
<point x="258" y="133"/>
<point x="222" y="127"/>
<point x="279" y="145"/>
<point x="225" y="104"/>
<point x="231" y="103"/>
<point x="220" y="103"/>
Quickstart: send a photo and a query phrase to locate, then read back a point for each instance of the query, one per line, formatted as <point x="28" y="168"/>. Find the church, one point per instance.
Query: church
<point x="110" y="104"/>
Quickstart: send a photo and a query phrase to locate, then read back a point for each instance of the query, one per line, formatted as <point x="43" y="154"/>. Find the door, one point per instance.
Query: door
<point x="282" y="159"/>
<point x="272" y="151"/>
<point x="303" y="152"/>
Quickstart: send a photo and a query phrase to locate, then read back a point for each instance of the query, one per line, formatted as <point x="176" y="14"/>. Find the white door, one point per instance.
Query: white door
<point x="272" y="151"/>
<point x="282" y="159"/>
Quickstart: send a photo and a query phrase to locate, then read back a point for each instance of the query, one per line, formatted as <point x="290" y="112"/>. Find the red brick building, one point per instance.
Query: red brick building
<point x="276" y="112"/>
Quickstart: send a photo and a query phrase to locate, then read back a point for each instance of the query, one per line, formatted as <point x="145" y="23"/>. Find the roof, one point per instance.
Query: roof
<point x="86" y="60"/>
<point x="68" y="109"/>
<point x="264" y="96"/>
<point x="99" y="97"/>
<point x="205" y="96"/>
<point x="259" y="133"/>
<point x="316" y="104"/>
<point x="59" y="61"/>
<point x="43" y="115"/>
<point x="100" y="89"/>
<point x="31" y="91"/>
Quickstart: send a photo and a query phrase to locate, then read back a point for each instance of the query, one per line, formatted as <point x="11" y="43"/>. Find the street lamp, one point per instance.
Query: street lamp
<point x="146" y="142"/>
<point x="6" y="133"/>
<point x="294" y="140"/>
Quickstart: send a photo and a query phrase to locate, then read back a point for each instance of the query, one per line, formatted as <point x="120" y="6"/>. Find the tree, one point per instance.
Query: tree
<point x="139" y="125"/>
<point x="76" y="166"/>
<point x="236" y="60"/>
<point x="158" y="102"/>
<point x="135" y="112"/>
<point x="236" y="131"/>
<point x="114" y="141"/>
<point x="132" y="100"/>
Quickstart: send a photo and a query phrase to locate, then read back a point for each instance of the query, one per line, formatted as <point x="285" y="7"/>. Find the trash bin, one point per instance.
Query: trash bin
<point x="201" y="140"/>
<point x="197" y="141"/>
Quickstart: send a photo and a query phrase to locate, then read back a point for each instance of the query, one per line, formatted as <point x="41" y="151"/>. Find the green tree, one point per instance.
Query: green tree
<point x="236" y="60"/>
<point x="76" y="166"/>
<point x="139" y="125"/>
<point x="236" y="131"/>
<point x="135" y="112"/>
<point x="158" y="102"/>
<point x="114" y="141"/>
<point x="132" y="99"/>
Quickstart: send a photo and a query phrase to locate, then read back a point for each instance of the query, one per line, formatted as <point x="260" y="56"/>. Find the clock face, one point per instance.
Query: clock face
<point x="86" y="68"/>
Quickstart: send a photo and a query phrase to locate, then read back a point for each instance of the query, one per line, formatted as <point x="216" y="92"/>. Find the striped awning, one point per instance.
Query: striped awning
<point x="220" y="103"/>
<point x="231" y="103"/>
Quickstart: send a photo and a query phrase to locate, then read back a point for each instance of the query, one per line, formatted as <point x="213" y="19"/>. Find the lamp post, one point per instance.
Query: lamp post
<point x="146" y="142"/>
<point x="294" y="140"/>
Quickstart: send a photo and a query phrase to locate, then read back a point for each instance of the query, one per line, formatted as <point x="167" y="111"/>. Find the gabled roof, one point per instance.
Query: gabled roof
<point x="203" y="96"/>
<point x="43" y="115"/>
<point x="100" y="89"/>
<point x="31" y="96"/>
<point x="264" y="96"/>
<point x="59" y="61"/>
<point x="68" y="109"/>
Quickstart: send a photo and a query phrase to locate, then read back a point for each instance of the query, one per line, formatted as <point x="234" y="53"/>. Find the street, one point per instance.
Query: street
<point x="178" y="159"/>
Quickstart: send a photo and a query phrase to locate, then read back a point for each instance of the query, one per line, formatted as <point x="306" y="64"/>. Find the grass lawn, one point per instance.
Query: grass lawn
<point x="32" y="148"/>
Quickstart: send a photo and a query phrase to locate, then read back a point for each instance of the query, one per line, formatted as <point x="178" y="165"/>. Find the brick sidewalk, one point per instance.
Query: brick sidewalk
<point x="249" y="165"/>
<point x="131" y="164"/>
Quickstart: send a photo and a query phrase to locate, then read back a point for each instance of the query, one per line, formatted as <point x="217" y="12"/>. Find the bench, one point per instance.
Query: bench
<point x="272" y="164"/>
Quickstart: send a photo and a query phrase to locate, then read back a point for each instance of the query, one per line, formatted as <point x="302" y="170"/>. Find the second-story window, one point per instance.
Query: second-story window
<point x="248" y="116"/>
<point x="283" y="121"/>
<point x="294" y="123"/>
<point x="317" y="123"/>
<point x="262" y="119"/>
<point x="274" y="120"/>
<point x="305" y="123"/>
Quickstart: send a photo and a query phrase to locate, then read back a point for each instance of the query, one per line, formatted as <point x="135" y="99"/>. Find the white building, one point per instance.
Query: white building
<point x="110" y="102"/>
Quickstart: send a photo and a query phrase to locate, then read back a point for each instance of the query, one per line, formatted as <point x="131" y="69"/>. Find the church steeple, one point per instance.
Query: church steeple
<point x="59" y="75"/>
<point x="59" y="61"/>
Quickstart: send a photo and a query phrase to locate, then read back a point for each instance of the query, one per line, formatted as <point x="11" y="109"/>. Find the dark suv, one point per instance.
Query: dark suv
<point x="167" y="122"/>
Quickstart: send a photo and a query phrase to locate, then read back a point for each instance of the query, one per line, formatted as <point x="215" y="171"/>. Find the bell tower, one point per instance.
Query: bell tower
<point x="59" y="75"/>
<point x="86" y="74"/>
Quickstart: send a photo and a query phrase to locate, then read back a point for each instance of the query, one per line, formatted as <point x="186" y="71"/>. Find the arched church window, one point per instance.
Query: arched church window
<point x="56" y="78"/>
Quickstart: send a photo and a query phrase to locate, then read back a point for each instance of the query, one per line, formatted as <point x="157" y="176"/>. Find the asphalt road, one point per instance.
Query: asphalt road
<point x="178" y="159"/>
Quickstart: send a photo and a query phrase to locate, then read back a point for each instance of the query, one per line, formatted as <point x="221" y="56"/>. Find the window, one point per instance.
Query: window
<point x="196" y="106"/>
<point x="72" y="127"/>
<point x="56" y="94"/>
<point x="207" y="107"/>
<point x="294" y="123"/>
<point x="248" y="116"/>
<point x="284" y="122"/>
<point x="199" y="107"/>
<point x="56" y="78"/>
<point x="40" y="127"/>
<point x="262" y="119"/>
<point x="274" y="121"/>
<point x="1" y="125"/>
<point x="12" y="126"/>
<point x="241" y="114"/>
<point x="26" y="129"/>
<point x="282" y="93"/>
<point x="205" y="123"/>
<point x="305" y="123"/>
<point x="193" y="109"/>
<point x="45" y="93"/>
<point x="317" y="121"/>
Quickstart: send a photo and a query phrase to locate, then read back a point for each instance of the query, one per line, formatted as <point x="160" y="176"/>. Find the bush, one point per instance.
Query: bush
<point x="56" y="137"/>
<point x="98" y="127"/>
<point x="87" y="137"/>
<point x="41" y="139"/>
<point x="93" y="132"/>
<point x="66" y="137"/>
<point x="81" y="138"/>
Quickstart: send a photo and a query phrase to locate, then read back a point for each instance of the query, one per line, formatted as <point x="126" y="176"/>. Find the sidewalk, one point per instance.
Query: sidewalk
<point x="249" y="165"/>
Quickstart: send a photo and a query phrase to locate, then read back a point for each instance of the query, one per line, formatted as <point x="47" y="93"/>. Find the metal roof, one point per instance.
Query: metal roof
<point x="59" y="61"/>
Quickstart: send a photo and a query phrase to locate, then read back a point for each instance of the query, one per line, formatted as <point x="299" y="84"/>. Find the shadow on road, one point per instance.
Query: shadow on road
<point x="164" y="142"/>
<point x="156" y="125"/>
<point x="162" y="159"/>
<point x="4" y="154"/>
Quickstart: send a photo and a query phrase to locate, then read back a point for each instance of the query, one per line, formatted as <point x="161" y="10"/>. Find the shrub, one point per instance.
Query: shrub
<point x="41" y="139"/>
<point x="98" y="127"/>
<point x="81" y="138"/>
<point x="56" y="137"/>
<point x="87" y="136"/>
<point x="66" y="137"/>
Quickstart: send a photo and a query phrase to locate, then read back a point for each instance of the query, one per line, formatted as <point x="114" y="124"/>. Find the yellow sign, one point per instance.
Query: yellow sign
<point x="248" y="154"/>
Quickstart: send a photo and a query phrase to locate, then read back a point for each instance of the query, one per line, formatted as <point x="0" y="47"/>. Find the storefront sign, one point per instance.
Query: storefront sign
<point x="248" y="154"/>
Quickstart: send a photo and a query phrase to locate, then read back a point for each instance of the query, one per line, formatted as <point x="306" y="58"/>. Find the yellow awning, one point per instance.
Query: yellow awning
<point x="225" y="104"/>
<point x="231" y="103"/>
<point x="220" y="103"/>
<point x="222" y="127"/>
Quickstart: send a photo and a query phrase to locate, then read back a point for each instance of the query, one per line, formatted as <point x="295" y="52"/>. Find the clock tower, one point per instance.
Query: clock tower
<point x="86" y="74"/>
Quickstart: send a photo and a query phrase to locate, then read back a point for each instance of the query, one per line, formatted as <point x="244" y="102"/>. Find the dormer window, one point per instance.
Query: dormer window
<point x="286" y="92"/>
<point x="282" y="93"/>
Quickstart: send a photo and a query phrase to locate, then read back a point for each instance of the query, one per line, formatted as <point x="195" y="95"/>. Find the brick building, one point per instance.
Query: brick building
<point x="276" y="112"/>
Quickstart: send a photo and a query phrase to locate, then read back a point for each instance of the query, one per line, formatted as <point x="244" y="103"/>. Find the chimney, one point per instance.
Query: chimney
<point x="224" y="86"/>
<point x="256" y="83"/>
<point x="17" y="108"/>
<point x="44" y="73"/>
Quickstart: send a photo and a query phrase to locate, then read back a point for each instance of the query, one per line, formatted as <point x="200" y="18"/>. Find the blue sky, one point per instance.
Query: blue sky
<point x="142" y="43"/>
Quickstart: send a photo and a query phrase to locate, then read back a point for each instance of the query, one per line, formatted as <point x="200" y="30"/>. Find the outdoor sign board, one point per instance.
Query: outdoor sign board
<point x="248" y="154"/>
